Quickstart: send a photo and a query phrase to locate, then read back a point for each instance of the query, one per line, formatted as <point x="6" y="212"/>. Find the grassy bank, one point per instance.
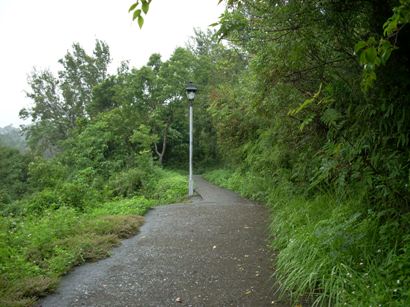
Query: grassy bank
<point x="335" y="252"/>
<point x="37" y="249"/>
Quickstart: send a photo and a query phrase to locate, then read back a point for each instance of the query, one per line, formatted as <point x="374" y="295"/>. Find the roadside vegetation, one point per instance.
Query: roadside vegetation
<point x="317" y="127"/>
<point x="328" y="250"/>
<point x="89" y="175"/>
<point x="45" y="236"/>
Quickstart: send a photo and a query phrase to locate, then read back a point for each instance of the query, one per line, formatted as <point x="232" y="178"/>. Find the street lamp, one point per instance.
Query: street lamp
<point x="190" y="92"/>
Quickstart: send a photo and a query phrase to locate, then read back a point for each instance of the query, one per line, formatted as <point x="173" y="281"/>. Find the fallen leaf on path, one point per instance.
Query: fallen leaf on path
<point x="214" y="247"/>
<point x="178" y="300"/>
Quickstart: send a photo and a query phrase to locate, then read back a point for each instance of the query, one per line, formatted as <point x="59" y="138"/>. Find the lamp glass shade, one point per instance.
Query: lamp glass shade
<point x="190" y="95"/>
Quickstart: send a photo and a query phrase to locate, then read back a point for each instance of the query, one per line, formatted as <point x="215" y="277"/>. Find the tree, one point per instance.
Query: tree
<point x="13" y="137"/>
<point x="157" y="91"/>
<point x="60" y="103"/>
<point x="13" y="170"/>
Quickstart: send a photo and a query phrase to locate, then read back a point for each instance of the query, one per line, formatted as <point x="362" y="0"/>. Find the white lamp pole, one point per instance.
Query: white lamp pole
<point x="190" y="91"/>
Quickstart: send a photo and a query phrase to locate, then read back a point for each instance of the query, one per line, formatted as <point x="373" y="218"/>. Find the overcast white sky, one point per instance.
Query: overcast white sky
<point x="38" y="33"/>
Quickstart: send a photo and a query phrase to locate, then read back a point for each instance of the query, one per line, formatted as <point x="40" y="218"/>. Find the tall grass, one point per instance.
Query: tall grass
<point x="332" y="252"/>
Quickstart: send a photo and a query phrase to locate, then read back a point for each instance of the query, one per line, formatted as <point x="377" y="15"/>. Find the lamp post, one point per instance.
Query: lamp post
<point x="190" y="92"/>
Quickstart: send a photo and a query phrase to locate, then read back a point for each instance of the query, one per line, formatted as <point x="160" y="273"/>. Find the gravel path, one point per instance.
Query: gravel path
<point x="209" y="253"/>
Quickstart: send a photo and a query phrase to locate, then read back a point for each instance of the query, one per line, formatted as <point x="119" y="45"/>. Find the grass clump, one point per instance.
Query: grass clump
<point x="122" y="226"/>
<point x="137" y="205"/>
<point x="26" y="292"/>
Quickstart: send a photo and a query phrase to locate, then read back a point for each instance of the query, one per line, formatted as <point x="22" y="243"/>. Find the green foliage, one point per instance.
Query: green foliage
<point x="39" y="202"/>
<point x="273" y="117"/>
<point x="375" y="52"/>
<point x="61" y="103"/>
<point x="330" y="159"/>
<point x="44" y="173"/>
<point x="170" y="188"/>
<point x="138" y="8"/>
<point x="220" y="177"/>
<point x="13" y="170"/>
<point x="13" y="138"/>
<point x="64" y="226"/>
<point x="137" y="205"/>
<point x="281" y="102"/>
<point x="77" y="195"/>
<point x="371" y="56"/>
<point x="337" y="253"/>
<point x="127" y="182"/>
<point x="333" y="252"/>
<point x="400" y="17"/>
<point x="68" y="215"/>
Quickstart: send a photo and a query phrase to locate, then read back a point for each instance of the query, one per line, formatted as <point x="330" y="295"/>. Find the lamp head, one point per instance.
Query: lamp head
<point x="190" y="90"/>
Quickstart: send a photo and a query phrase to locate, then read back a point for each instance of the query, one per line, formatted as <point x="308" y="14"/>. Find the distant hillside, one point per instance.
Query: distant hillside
<point x="12" y="137"/>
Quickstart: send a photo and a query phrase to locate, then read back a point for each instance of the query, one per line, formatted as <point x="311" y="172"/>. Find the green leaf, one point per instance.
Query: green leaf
<point x="385" y="50"/>
<point x="132" y="7"/>
<point x="369" y="77"/>
<point x="145" y="7"/>
<point x="137" y="14"/>
<point x="306" y="122"/>
<point x="359" y="46"/>
<point x="391" y="25"/>
<point x="363" y="58"/>
<point x="306" y="103"/>
<point x="330" y="117"/>
<point x="214" y="24"/>
<point x="371" y="55"/>
<point x="385" y="55"/>
<point x="140" y="21"/>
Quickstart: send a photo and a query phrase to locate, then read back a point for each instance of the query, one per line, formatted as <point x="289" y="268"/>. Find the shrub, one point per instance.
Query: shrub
<point x="127" y="183"/>
<point x="78" y="195"/>
<point x="41" y="201"/>
<point x="170" y="188"/>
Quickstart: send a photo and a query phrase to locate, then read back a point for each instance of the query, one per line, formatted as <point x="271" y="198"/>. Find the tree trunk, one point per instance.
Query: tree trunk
<point x="164" y="144"/>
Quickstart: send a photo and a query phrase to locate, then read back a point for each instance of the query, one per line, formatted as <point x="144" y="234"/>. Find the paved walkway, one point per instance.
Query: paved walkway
<point x="209" y="253"/>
